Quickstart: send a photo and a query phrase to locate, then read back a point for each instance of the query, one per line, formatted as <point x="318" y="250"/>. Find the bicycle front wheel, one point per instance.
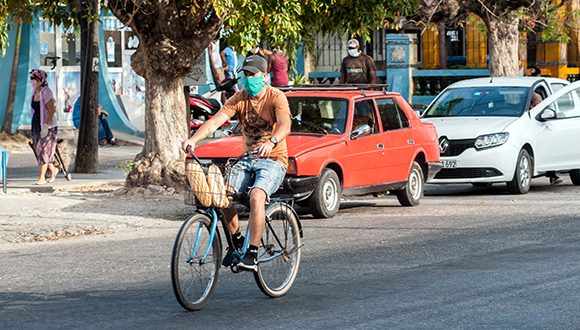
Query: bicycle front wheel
<point x="195" y="264"/>
<point x="279" y="252"/>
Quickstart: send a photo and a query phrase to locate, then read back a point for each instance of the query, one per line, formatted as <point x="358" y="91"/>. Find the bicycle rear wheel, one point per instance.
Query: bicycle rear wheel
<point x="194" y="279"/>
<point x="279" y="252"/>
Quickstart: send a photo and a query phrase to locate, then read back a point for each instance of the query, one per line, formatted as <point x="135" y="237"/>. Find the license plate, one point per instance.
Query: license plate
<point x="449" y="163"/>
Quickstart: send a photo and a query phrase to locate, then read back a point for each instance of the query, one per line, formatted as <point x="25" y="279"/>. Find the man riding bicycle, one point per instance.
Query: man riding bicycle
<point x="265" y="120"/>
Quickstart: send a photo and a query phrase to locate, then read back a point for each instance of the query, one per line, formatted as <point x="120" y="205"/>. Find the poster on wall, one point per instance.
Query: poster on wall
<point x="116" y="81"/>
<point x="71" y="84"/>
<point x="134" y="84"/>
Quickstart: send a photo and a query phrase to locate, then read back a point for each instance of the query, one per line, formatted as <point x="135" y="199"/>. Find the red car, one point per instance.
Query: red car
<point x="351" y="142"/>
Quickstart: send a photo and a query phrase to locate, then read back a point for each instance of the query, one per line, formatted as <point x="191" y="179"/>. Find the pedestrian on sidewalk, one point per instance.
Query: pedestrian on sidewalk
<point x="229" y="61"/>
<point x="44" y="125"/>
<point x="357" y="68"/>
<point x="278" y="66"/>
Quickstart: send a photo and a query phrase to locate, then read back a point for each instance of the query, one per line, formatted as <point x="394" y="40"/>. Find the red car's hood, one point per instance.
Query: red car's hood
<point x="297" y="144"/>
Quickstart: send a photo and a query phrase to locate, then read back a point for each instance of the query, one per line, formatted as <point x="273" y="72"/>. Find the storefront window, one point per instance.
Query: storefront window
<point x="113" y="48"/>
<point x="71" y="49"/>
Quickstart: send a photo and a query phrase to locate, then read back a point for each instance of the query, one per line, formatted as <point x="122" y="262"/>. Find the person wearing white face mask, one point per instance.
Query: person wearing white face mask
<point x="357" y="68"/>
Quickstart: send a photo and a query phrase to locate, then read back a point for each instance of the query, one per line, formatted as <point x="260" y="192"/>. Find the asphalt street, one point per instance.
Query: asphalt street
<point x="465" y="258"/>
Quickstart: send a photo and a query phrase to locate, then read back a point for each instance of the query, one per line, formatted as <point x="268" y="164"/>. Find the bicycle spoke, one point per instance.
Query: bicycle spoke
<point x="279" y="256"/>
<point x="194" y="281"/>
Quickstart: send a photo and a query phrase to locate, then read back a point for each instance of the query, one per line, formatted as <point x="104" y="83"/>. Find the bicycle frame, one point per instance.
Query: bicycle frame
<point x="213" y="214"/>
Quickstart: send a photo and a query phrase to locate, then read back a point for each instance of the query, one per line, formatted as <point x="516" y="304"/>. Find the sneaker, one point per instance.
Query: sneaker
<point x="555" y="180"/>
<point x="249" y="262"/>
<point x="103" y="142"/>
<point x="229" y="258"/>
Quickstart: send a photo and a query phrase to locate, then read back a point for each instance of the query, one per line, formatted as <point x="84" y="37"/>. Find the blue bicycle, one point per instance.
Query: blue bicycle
<point x="197" y="252"/>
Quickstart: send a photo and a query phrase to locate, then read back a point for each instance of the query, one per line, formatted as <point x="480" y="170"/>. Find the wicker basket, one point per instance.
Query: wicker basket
<point x="208" y="189"/>
<point x="217" y="187"/>
<point x="198" y="182"/>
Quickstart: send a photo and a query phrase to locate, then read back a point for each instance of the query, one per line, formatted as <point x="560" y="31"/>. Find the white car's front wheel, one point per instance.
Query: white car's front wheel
<point x="522" y="180"/>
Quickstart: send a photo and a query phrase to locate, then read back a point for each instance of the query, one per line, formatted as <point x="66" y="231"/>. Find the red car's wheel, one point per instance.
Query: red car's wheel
<point x="325" y="200"/>
<point x="413" y="191"/>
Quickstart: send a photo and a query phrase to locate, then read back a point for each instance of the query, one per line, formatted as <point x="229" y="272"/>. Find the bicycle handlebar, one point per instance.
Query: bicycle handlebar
<point x="247" y="154"/>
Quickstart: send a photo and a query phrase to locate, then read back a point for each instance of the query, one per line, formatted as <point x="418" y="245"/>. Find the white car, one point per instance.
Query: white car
<point x="488" y="133"/>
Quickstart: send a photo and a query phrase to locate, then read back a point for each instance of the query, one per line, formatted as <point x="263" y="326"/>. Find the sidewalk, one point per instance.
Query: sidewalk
<point x="83" y="207"/>
<point x="22" y="172"/>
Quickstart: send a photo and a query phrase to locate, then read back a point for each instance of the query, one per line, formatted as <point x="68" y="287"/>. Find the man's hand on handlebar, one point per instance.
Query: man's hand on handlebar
<point x="188" y="146"/>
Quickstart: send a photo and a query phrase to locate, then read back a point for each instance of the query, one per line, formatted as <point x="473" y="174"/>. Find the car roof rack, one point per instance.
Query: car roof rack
<point x="344" y="87"/>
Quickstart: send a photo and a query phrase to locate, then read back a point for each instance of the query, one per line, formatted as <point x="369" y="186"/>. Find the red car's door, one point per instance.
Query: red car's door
<point x="397" y="139"/>
<point x="363" y="162"/>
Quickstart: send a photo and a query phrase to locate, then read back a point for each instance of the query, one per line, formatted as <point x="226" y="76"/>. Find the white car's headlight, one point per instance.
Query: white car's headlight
<point x="491" y="140"/>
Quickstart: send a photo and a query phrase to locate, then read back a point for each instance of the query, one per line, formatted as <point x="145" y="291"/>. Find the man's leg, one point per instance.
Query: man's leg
<point x="238" y="182"/>
<point x="233" y="227"/>
<point x="257" y="222"/>
<point x="257" y="215"/>
<point x="102" y="135"/>
<point x="106" y="129"/>
<point x="232" y="219"/>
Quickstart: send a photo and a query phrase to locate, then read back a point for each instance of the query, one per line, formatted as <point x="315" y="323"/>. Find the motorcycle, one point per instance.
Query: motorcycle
<point x="204" y="107"/>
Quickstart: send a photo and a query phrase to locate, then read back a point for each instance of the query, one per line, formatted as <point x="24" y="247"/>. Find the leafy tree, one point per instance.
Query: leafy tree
<point x="173" y="33"/>
<point x="285" y="23"/>
<point x="502" y="19"/>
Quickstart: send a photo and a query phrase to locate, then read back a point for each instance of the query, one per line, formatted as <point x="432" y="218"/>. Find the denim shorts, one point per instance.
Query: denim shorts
<point x="251" y="173"/>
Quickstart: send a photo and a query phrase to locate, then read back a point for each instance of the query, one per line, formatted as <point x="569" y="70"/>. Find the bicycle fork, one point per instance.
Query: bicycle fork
<point x="198" y="233"/>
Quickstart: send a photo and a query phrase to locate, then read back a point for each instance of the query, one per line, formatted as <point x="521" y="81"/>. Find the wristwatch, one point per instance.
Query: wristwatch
<point x="274" y="140"/>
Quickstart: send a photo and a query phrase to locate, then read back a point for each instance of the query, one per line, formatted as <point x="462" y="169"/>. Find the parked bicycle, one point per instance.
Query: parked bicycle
<point x="197" y="252"/>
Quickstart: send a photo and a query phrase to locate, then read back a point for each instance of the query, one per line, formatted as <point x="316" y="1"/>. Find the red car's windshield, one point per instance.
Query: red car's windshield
<point x="318" y="114"/>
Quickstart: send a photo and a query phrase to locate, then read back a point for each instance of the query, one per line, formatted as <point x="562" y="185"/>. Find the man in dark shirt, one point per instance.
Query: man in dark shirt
<point x="357" y="68"/>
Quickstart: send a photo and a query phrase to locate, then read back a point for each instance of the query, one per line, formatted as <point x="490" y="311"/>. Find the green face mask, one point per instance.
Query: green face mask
<point x="253" y="85"/>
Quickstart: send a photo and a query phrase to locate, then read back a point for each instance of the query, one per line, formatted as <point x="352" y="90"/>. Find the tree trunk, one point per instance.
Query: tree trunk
<point x="441" y="39"/>
<point x="7" y="127"/>
<point x="161" y="161"/>
<point x="87" y="158"/>
<point x="504" y="38"/>
<point x="171" y="37"/>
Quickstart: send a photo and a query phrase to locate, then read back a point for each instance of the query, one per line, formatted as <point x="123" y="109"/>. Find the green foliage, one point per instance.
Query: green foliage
<point x="557" y="24"/>
<point x="249" y="22"/>
<point x="284" y="24"/>
<point x="126" y="166"/>
<point x="299" y="79"/>
<point x="23" y="11"/>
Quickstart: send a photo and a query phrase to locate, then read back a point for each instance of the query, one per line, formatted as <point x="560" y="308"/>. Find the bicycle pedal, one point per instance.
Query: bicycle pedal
<point x="235" y="269"/>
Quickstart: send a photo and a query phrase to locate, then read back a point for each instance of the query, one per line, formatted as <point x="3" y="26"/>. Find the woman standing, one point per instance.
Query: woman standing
<point x="44" y="125"/>
<point x="279" y="67"/>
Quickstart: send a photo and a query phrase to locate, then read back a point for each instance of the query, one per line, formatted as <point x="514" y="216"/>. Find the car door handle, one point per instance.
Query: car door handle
<point x="380" y="146"/>
<point x="410" y="141"/>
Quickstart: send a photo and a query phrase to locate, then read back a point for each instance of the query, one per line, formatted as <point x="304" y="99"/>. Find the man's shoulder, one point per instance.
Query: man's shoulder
<point x="366" y="57"/>
<point x="275" y="92"/>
